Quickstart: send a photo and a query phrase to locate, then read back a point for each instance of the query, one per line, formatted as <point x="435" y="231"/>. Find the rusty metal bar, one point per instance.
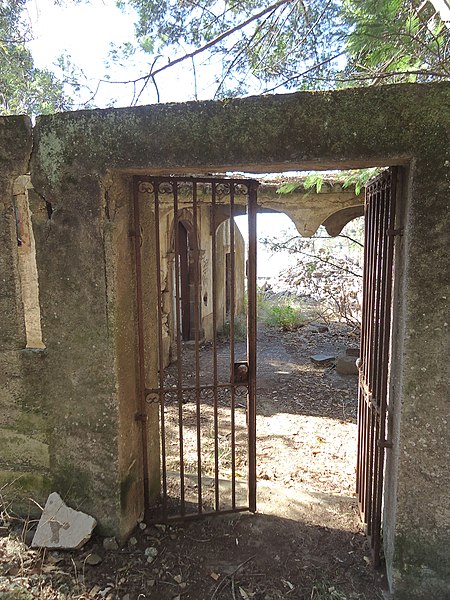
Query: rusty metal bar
<point x="384" y="359"/>
<point x="251" y="345"/>
<point x="178" y="342"/>
<point x="375" y="351"/>
<point x="166" y="394"/>
<point x="197" y="342"/>
<point x="193" y="388"/>
<point x="375" y="496"/>
<point x="232" y="348"/>
<point x="214" y="347"/>
<point x="160" y="346"/>
<point x="140" y="333"/>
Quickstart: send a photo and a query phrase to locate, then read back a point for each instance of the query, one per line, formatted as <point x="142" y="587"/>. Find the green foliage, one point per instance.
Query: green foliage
<point x="326" y="270"/>
<point x="317" y="180"/>
<point x="314" y="180"/>
<point x="395" y="40"/>
<point x="23" y="87"/>
<point x="284" y="314"/>
<point x="240" y="329"/>
<point x="297" y="45"/>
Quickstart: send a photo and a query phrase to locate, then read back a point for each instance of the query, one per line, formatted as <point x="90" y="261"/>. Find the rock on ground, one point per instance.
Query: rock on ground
<point x="61" y="526"/>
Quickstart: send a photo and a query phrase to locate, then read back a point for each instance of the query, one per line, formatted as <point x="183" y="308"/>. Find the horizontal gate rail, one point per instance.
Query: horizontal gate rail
<point x="186" y="384"/>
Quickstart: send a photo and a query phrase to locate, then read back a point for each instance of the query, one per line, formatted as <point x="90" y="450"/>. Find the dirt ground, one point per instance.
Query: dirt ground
<point x="305" y="542"/>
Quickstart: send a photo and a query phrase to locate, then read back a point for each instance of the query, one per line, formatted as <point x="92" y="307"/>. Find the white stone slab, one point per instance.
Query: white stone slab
<point x="61" y="526"/>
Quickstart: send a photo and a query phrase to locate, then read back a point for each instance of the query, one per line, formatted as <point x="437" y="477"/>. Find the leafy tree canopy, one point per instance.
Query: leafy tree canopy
<point x="23" y="87"/>
<point x="295" y="44"/>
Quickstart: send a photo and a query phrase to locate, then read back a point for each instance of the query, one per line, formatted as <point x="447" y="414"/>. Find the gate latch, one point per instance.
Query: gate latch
<point x="240" y="372"/>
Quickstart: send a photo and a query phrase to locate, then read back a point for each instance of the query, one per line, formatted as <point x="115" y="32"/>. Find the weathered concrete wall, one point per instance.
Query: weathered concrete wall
<point x="421" y="565"/>
<point x="363" y="127"/>
<point x="24" y="449"/>
<point x="80" y="391"/>
<point x="404" y="125"/>
<point x="15" y="150"/>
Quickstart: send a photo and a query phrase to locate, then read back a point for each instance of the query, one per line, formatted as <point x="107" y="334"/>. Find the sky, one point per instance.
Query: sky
<point x="85" y="32"/>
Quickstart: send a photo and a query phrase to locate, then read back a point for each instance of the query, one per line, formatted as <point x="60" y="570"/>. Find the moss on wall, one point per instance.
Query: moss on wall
<point x="405" y="124"/>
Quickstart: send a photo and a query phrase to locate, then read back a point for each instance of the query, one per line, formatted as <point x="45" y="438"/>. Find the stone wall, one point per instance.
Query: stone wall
<point x="82" y="387"/>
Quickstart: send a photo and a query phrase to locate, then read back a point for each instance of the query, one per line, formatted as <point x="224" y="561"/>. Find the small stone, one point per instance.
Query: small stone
<point x="110" y="544"/>
<point x="61" y="526"/>
<point x="346" y="362"/>
<point x="151" y="553"/>
<point x="133" y="541"/>
<point x="322" y="358"/>
<point x="178" y="578"/>
<point x="93" y="560"/>
<point x="318" y="328"/>
<point x="142" y="526"/>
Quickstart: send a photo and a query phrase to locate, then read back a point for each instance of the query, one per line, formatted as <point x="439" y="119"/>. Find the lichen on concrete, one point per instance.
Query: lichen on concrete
<point x="85" y="383"/>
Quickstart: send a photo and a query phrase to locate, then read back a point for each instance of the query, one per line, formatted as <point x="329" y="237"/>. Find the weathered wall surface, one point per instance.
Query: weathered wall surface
<point x="421" y="566"/>
<point x="24" y="448"/>
<point x="76" y="380"/>
<point x="80" y="379"/>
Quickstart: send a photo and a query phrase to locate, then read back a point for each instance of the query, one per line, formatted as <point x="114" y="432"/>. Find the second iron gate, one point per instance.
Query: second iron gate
<point x="197" y="344"/>
<point x="375" y="352"/>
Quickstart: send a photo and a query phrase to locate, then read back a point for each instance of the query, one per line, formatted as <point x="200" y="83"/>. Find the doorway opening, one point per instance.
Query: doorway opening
<point x="206" y="461"/>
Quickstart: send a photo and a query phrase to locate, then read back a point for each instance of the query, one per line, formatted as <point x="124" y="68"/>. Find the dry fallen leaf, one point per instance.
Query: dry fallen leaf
<point x="244" y="594"/>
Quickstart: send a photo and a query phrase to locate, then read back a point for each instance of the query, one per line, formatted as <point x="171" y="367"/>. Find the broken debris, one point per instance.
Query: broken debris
<point x="61" y="526"/>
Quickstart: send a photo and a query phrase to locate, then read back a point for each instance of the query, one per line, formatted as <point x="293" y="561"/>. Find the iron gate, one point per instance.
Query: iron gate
<point x="200" y="387"/>
<point x="375" y="352"/>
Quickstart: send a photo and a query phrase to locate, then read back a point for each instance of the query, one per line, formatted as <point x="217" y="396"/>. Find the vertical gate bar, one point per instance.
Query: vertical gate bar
<point x="160" y="345"/>
<point x="363" y="370"/>
<point x="367" y="413"/>
<point x="372" y="361"/>
<point x="366" y="357"/>
<point x="251" y="348"/>
<point x="361" y="394"/>
<point x="178" y="336"/>
<point x="214" y="346"/>
<point x="373" y="355"/>
<point x="389" y="241"/>
<point x="140" y="332"/>
<point x="232" y="349"/>
<point x="370" y="350"/>
<point x="197" y="341"/>
<point x="380" y="317"/>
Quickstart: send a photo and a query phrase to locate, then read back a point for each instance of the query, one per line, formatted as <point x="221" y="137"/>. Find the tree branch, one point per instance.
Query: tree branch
<point x="210" y="44"/>
<point x="313" y="68"/>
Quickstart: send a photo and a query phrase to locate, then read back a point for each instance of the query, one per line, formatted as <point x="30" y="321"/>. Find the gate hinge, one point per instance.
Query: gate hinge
<point x="141" y="417"/>
<point x="398" y="231"/>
